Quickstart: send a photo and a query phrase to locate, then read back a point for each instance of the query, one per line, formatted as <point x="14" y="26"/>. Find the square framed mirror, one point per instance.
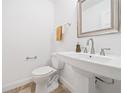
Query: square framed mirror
<point x="98" y="17"/>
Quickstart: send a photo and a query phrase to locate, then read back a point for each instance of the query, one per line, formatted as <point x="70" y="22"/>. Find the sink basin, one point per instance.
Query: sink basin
<point x="108" y="66"/>
<point x="90" y="57"/>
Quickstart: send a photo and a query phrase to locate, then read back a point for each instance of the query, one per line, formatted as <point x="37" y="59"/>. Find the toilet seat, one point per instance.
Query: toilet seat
<point x="43" y="71"/>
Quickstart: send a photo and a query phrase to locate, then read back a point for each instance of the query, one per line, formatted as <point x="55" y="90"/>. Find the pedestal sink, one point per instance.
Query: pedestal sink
<point x="108" y="66"/>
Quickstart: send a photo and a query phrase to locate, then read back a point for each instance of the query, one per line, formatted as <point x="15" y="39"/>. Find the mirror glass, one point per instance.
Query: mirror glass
<point x="97" y="17"/>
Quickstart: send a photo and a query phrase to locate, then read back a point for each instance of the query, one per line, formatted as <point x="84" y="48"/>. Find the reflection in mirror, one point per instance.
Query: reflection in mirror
<point x="97" y="17"/>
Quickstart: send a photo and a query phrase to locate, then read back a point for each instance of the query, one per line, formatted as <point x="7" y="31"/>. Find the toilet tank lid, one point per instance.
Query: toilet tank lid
<point x="43" y="70"/>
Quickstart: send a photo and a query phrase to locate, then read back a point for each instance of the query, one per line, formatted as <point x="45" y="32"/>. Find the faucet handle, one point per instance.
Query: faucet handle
<point x="102" y="52"/>
<point x="85" y="49"/>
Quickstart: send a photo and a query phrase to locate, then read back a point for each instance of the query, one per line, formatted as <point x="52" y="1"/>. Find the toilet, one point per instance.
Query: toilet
<point x="41" y="75"/>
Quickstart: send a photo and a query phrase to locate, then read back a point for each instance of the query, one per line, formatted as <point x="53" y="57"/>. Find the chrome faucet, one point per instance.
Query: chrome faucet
<point x="92" y="51"/>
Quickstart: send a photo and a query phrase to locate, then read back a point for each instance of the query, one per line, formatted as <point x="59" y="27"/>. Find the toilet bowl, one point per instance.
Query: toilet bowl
<point x="41" y="75"/>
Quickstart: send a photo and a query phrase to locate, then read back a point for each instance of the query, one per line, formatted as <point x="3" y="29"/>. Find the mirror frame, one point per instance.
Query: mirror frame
<point x="115" y="20"/>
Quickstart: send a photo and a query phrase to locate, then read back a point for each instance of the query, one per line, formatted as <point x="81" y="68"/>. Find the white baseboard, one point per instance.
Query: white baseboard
<point x="67" y="84"/>
<point x="16" y="84"/>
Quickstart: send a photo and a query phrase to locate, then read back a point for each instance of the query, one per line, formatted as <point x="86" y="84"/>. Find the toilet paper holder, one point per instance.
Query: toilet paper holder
<point x="27" y="58"/>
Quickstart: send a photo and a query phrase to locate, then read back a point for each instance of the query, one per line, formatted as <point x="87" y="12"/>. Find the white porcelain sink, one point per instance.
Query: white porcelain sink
<point x="90" y="57"/>
<point x="109" y="66"/>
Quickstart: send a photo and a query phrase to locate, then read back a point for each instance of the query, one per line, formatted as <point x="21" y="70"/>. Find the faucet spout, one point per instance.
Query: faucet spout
<point x="92" y="51"/>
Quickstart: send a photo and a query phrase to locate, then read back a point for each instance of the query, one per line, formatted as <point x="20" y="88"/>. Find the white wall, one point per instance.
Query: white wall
<point x="27" y="26"/>
<point x="65" y="11"/>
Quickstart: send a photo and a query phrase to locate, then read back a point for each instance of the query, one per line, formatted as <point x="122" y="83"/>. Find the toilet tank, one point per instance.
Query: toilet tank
<point x="56" y="62"/>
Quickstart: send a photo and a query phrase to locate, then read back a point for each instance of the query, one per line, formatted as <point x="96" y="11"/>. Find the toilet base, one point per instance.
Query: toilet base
<point x="41" y="87"/>
<point x="53" y="86"/>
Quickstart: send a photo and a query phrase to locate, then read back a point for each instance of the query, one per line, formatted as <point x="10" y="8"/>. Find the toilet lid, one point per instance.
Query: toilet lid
<point x="42" y="70"/>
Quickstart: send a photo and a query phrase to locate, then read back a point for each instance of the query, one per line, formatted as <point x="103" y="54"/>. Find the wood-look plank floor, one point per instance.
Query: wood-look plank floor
<point x="61" y="89"/>
<point x="30" y="88"/>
